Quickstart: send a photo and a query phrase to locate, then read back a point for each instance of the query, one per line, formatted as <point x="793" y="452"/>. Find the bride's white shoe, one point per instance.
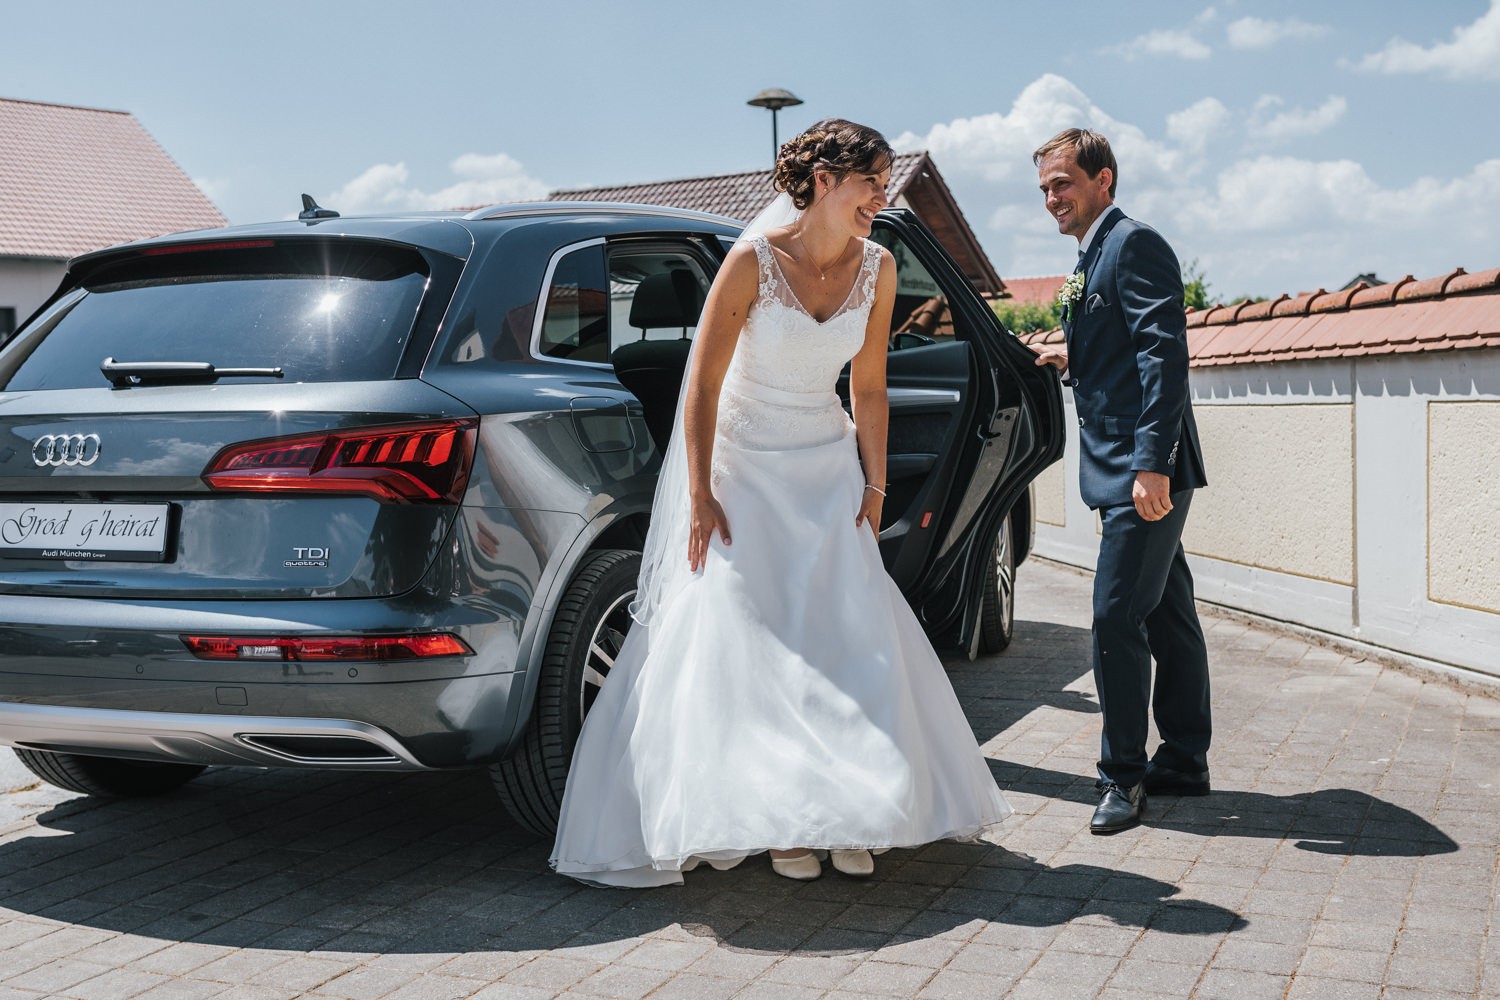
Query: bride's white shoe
<point x="803" y="867"/>
<point x="718" y="866"/>
<point x="857" y="863"/>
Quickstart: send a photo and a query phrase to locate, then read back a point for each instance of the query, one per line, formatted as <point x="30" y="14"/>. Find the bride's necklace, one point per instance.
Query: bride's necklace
<point x="822" y="271"/>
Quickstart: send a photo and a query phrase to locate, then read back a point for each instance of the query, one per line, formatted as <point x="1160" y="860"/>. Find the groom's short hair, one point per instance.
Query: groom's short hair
<point x="1090" y="151"/>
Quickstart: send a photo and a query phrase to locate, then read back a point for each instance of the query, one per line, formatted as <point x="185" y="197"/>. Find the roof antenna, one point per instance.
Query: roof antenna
<point x="312" y="210"/>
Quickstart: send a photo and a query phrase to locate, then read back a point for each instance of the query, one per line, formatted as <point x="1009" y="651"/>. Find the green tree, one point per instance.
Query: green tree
<point x="1195" y="287"/>
<point x="1024" y="317"/>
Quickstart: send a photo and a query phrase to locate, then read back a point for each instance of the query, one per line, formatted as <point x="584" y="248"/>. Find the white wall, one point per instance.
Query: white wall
<point x="26" y="282"/>
<point x="1356" y="496"/>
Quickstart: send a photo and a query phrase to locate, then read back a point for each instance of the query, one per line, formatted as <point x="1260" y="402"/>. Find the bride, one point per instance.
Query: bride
<point x="777" y="692"/>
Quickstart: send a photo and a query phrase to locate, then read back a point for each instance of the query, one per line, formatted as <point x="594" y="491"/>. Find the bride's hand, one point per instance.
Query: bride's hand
<point x="869" y="512"/>
<point x="707" y="517"/>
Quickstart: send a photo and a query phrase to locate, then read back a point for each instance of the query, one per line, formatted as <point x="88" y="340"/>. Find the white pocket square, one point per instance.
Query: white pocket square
<point x="1096" y="301"/>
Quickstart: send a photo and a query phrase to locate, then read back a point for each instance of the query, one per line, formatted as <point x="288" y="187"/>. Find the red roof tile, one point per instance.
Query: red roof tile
<point x="1474" y="282"/>
<point x="1427" y="288"/>
<point x="1454" y="311"/>
<point x="1260" y="310"/>
<point x="1334" y="301"/>
<point x="1033" y="291"/>
<point x="1297" y="305"/>
<point x="77" y="179"/>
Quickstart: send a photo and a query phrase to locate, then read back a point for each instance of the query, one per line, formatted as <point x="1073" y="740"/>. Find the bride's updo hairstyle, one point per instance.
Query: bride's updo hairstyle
<point x="838" y="146"/>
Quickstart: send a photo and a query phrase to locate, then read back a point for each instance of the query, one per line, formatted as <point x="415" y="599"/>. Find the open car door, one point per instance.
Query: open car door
<point x="973" y="419"/>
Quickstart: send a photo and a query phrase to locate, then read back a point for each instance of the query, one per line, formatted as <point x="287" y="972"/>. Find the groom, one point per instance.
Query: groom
<point x="1139" y="464"/>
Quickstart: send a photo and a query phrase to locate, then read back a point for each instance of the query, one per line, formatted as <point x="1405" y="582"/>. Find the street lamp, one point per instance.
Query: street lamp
<point x="774" y="99"/>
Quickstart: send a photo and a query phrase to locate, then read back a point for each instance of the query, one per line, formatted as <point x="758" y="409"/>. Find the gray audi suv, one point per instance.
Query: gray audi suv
<point x="368" y="493"/>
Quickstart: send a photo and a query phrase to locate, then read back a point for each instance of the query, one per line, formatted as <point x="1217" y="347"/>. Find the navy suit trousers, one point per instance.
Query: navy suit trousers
<point x="1143" y="609"/>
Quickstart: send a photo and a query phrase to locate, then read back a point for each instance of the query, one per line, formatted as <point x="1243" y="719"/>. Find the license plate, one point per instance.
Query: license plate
<point x="122" y="532"/>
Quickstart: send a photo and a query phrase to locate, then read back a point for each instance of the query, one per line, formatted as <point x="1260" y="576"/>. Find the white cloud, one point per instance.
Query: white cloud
<point x="999" y="146"/>
<point x="1164" y="42"/>
<point x="1259" y="225"/>
<point x="1473" y="54"/>
<point x="1258" y="33"/>
<point x="484" y="179"/>
<point x="1295" y="122"/>
<point x="1194" y="125"/>
<point x="213" y="188"/>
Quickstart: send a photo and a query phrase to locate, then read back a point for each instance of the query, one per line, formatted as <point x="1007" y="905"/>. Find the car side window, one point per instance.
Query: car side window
<point x="654" y="294"/>
<point x="576" y="308"/>
<point x="921" y="315"/>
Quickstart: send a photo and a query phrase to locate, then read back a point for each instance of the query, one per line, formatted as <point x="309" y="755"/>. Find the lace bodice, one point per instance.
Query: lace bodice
<point x="779" y="391"/>
<point x="783" y="347"/>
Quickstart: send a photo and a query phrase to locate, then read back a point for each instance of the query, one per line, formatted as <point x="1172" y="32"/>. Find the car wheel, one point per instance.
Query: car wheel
<point x="997" y="619"/>
<point x="586" y="636"/>
<point x="107" y="776"/>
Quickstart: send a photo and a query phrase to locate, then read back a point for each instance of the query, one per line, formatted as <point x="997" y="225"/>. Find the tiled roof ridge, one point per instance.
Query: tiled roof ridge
<point x="1358" y="296"/>
<point x="59" y="104"/>
<point x="559" y="193"/>
<point x="1452" y="311"/>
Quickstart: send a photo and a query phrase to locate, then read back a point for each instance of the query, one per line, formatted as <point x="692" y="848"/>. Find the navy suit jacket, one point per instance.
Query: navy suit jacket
<point x="1128" y="359"/>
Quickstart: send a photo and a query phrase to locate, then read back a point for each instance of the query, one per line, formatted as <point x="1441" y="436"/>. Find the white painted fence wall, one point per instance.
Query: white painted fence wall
<point x="1356" y="496"/>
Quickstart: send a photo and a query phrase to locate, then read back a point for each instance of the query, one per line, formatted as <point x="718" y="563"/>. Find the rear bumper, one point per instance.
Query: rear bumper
<point x="258" y="741"/>
<point x="125" y="684"/>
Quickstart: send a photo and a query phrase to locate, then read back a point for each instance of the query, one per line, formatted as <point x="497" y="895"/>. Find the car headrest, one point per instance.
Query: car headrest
<point x="639" y="355"/>
<point x="669" y="299"/>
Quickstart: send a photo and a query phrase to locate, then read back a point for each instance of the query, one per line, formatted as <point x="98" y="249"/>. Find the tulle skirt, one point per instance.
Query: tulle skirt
<point x="784" y="697"/>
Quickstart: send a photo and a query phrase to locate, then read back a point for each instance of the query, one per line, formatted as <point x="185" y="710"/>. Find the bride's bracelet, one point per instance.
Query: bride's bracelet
<point x="877" y="489"/>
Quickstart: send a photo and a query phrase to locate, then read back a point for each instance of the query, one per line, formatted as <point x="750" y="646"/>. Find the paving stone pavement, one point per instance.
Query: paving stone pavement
<point x="1348" y="851"/>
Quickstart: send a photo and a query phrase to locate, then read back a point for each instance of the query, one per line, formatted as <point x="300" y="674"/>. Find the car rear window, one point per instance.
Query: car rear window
<point x="321" y="311"/>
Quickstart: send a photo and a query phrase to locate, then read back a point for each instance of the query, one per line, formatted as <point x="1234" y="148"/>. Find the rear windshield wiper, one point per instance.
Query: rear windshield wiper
<point x="125" y="374"/>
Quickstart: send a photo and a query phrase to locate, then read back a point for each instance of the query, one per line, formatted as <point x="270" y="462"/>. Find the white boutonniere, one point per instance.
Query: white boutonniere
<point x="1071" y="291"/>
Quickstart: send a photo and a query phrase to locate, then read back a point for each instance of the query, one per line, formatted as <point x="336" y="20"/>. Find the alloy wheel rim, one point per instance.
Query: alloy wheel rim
<point x="604" y="646"/>
<point x="1005" y="575"/>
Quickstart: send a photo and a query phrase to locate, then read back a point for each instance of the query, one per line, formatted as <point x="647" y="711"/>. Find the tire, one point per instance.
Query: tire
<point x="997" y="618"/>
<point x="108" y="777"/>
<point x="586" y="635"/>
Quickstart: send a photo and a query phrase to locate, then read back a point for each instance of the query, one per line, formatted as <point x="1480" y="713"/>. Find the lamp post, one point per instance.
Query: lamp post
<point x="774" y="99"/>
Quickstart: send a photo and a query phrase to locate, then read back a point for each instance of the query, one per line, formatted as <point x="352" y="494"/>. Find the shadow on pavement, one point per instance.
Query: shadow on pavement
<point x="374" y="863"/>
<point x="315" y="861"/>
<point x="1327" y="821"/>
<point x="1036" y="672"/>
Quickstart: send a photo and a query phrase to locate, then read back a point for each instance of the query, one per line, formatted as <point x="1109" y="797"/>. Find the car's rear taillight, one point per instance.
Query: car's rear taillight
<point x="302" y="649"/>
<point x="408" y="463"/>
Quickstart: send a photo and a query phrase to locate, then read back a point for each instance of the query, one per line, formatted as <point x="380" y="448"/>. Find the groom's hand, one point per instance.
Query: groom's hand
<point x="1152" y="494"/>
<point x="1052" y="354"/>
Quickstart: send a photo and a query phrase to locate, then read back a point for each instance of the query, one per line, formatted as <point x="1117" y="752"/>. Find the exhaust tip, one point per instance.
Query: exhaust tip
<point x="312" y="749"/>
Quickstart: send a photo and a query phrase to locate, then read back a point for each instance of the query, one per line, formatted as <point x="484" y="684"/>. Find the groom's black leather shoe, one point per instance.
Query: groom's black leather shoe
<point x="1119" y="808"/>
<point x="1167" y="781"/>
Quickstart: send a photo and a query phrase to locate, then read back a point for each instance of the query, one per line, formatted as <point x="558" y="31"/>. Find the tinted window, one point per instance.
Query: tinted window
<point x="575" y="313"/>
<point x="920" y="315"/>
<point x="654" y="295"/>
<point x="320" y="311"/>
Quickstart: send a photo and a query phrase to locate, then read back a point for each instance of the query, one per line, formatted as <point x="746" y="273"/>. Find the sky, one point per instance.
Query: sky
<point x="1279" y="146"/>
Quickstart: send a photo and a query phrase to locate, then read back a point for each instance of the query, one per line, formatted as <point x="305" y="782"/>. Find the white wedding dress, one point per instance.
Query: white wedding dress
<point x="785" y="696"/>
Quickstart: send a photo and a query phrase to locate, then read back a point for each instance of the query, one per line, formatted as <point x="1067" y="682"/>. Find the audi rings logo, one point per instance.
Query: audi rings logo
<point x="65" y="449"/>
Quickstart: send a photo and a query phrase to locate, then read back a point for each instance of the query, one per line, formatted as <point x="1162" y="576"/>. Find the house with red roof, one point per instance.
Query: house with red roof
<point x="78" y="179"/>
<point x="915" y="184"/>
<point x="1041" y="291"/>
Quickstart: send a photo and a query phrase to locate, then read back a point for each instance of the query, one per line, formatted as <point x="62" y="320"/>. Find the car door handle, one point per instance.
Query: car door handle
<point x="903" y="397"/>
